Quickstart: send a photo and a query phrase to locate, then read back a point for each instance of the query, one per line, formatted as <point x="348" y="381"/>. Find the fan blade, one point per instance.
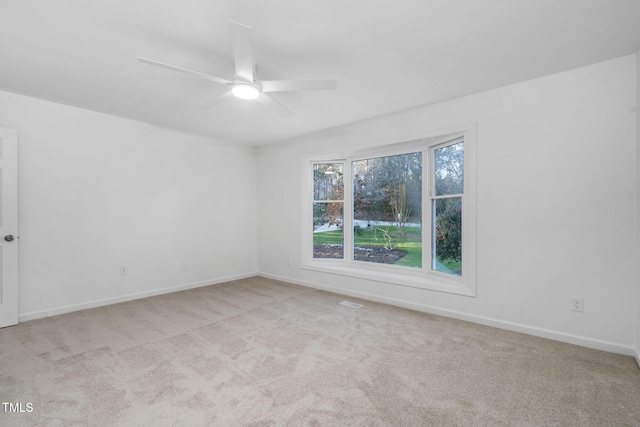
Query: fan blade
<point x="242" y="52"/>
<point x="224" y="97"/>
<point x="269" y="102"/>
<point x="290" y="85"/>
<point x="185" y="71"/>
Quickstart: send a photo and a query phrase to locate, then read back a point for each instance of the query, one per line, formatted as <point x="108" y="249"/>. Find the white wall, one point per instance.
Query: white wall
<point x="97" y="192"/>
<point x="638" y="205"/>
<point x="556" y="205"/>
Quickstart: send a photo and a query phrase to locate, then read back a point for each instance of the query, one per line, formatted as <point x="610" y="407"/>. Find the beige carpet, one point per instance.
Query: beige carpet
<point x="257" y="352"/>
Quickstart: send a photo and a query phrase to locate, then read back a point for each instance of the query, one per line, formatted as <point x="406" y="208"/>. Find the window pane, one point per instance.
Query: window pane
<point x="327" y="230"/>
<point x="387" y="203"/>
<point x="447" y="235"/>
<point x="328" y="183"/>
<point x="449" y="167"/>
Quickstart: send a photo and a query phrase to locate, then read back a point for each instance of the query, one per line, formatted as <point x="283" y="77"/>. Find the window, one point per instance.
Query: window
<point x="402" y="214"/>
<point x="387" y="209"/>
<point x="446" y="194"/>
<point x="328" y="210"/>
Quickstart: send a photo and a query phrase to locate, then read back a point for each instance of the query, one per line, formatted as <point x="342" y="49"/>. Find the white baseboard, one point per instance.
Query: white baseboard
<point x="129" y="297"/>
<point x="488" y="321"/>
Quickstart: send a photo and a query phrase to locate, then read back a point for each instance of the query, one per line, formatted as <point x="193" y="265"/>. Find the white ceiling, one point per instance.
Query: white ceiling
<point x="387" y="56"/>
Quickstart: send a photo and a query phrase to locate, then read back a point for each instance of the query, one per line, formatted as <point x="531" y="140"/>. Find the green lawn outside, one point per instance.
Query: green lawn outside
<point x="411" y="243"/>
<point x="330" y="237"/>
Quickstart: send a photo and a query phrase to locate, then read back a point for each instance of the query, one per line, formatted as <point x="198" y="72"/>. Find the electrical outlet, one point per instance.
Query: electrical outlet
<point x="123" y="270"/>
<point x="577" y="304"/>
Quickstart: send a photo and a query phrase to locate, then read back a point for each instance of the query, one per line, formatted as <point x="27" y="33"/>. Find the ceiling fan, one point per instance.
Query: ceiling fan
<point x="245" y="84"/>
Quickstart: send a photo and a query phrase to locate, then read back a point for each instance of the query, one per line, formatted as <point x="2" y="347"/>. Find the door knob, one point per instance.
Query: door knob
<point x="8" y="238"/>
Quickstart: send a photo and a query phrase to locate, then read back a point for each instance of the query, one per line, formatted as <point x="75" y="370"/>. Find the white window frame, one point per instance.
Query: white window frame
<point x="424" y="277"/>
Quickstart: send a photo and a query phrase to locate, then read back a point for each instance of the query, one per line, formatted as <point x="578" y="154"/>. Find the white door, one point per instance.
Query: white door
<point x="8" y="227"/>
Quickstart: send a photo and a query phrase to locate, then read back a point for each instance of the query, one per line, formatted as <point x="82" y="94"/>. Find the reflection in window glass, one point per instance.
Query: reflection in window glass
<point x="387" y="210"/>
<point x="448" y="169"/>
<point x="328" y="182"/>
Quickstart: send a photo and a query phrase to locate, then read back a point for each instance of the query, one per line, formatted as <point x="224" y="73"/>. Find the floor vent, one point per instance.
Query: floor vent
<point x="351" y="304"/>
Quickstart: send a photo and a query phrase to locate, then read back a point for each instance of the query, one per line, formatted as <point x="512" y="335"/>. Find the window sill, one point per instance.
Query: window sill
<point x="401" y="277"/>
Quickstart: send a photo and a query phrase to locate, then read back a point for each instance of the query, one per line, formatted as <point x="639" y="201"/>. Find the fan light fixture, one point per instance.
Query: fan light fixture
<point x="245" y="91"/>
<point x="245" y="83"/>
